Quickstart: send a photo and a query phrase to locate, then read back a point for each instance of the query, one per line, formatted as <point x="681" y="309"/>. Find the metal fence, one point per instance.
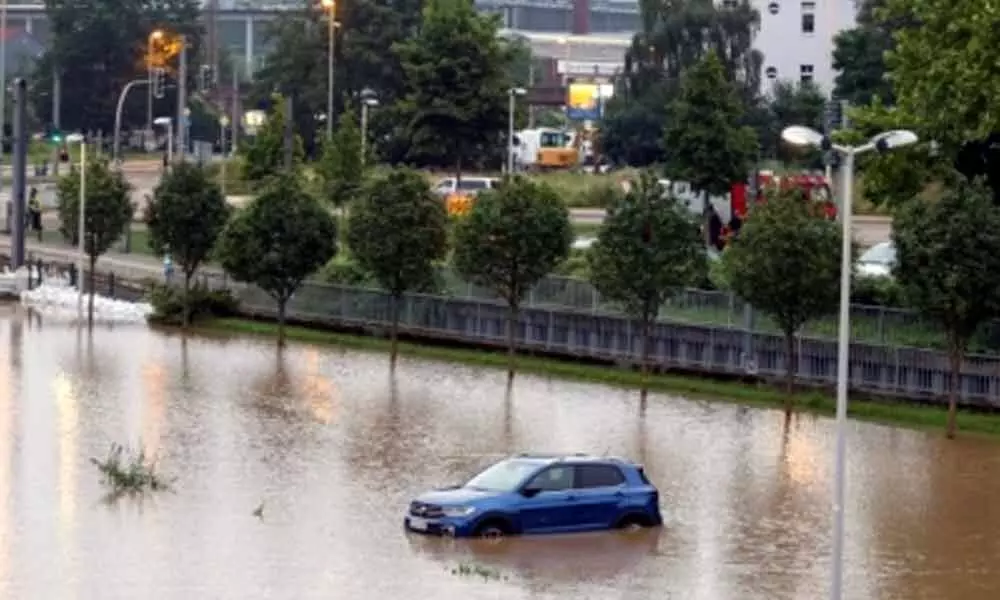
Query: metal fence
<point x="901" y="371"/>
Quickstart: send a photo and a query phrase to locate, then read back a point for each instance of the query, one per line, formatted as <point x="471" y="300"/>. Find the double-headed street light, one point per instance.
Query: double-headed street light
<point x="512" y="94"/>
<point x="883" y="142"/>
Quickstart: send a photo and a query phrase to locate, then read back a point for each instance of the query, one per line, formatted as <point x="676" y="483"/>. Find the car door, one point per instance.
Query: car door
<point x="599" y="491"/>
<point x="548" y="510"/>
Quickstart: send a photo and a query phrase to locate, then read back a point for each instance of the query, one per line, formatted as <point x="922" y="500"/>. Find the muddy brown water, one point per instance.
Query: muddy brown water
<point x="334" y="450"/>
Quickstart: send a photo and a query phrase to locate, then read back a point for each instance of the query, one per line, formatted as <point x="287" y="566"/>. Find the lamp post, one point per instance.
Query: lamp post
<point x="512" y="94"/>
<point x="169" y="124"/>
<point x="154" y="36"/>
<point x="223" y="123"/>
<point x="805" y="136"/>
<point x="368" y="100"/>
<point x="116" y="142"/>
<point x="331" y="11"/>
<point x="81" y="257"/>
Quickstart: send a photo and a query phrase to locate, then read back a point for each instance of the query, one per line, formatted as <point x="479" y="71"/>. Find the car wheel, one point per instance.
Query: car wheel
<point x="631" y="523"/>
<point x="492" y="531"/>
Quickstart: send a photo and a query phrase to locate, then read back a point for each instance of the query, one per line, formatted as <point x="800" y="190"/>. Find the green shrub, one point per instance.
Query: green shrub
<point x="599" y="195"/>
<point x="168" y="306"/>
<point x="344" y="271"/>
<point x="574" y="266"/>
<point x="877" y="291"/>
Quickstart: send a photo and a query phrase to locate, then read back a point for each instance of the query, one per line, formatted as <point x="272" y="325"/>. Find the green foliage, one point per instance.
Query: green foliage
<point x="705" y="144"/>
<point x="342" y="270"/>
<point x="169" y="304"/>
<point x="185" y="216"/>
<point x="599" y="195"/>
<point x="512" y="237"/>
<point x="128" y="473"/>
<point x="632" y="131"/>
<point x="786" y="261"/>
<point x="264" y="155"/>
<point x="877" y="291"/>
<point x="108" y="207"/>
<point x="99" y="47"/>
<point x="948" y="259"/>
<point x="456" y="80"/>
<point x="341" y="168"/>
<point x="944" y="70"/>
<point x="648" y="248"/>
<point x="397" y="231"/>
<point x="859" y="58"/>
<point x="281" y="238"/>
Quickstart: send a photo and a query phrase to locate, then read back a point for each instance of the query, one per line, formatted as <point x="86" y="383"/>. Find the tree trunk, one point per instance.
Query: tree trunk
<point x="791" y="358"/>
<point x="394" y="330"/>
<point x="186" y="303"/>
<point x="512" y="320"/>
<point x="90" y="298"/>
<point x="955" y="352"/>
<point x="281" y="322"/>
<point x="644" y="360"/>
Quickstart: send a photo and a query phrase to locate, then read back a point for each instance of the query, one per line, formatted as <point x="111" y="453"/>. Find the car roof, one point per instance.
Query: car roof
<point x="580" y="457"/>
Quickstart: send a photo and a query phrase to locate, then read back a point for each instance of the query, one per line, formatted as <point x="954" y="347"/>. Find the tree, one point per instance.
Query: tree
<point x="108" y="211"/>
<point x="511" y="238"/>
<point x="185" y="217"/>
<point x="632" y="131"/>
<point x="786" y="263"/>
<point x="948" y="265"/>
<point x="456" y="80"/>
<point x="265" y="152"/>
<point x="397" y="230"/>
<point x="705" y="144"/>
<point x="648" y="249"/>
<point x="98" y="46"/>
<point x="341" y="168"/>
<point x="281" y="238"/>
<point x="859" y="58"/>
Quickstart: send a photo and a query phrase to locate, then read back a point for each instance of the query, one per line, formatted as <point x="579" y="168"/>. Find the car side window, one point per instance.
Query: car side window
<point x="553" y="479"/>
<point x="596" y="476"/>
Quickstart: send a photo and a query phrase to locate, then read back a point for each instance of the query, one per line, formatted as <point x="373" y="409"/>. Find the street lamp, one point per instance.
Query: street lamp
<point x="76" y="138"/>
<point x="368" y="100"/>
<point x="512" y="94"/>
<point x="330" y="6"/>
<point x="169" y="124"/>
<point x="804" y="136"/>
<point x="154" y="36"/>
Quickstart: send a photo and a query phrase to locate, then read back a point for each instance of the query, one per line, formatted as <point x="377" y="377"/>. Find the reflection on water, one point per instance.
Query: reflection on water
<point x="333" y="446"/>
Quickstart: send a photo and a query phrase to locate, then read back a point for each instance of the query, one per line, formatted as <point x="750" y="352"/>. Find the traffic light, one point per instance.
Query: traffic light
<point x="157" y="76"/>
<point x="55" y="136"/>
<point x="205" y="78"/>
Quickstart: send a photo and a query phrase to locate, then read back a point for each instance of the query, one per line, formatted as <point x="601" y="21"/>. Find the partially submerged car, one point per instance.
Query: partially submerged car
<point x="536" y="493"/>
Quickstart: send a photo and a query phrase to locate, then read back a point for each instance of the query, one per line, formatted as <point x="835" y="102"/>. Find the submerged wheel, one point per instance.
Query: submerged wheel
<point x="493" y="531"/>
<point x="632" y="522"/>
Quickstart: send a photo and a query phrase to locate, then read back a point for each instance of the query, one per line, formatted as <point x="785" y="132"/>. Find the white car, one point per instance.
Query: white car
<point x="877" y="261"/>
<point x="468" y="185"/>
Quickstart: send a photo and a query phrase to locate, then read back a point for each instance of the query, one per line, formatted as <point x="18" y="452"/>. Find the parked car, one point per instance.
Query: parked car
<point x="535" y="493"/>
<point x="877" y="261"/>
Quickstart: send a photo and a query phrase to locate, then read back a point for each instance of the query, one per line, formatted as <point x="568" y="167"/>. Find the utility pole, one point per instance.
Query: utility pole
<point x="182" y="102"/>
<point x="289" y="133"/>
<point x="234" y="118"/>
<point x="56" y="113"/>
<point x="20" y="157"/>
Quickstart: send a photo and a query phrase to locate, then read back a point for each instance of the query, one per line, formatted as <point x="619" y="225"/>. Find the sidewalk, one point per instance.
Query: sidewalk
<point x="129" y="266"/>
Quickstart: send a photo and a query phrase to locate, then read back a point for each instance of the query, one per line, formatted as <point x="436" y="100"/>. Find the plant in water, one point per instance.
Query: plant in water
<point x="127" y="472"/>
<point x="475" y="570"/>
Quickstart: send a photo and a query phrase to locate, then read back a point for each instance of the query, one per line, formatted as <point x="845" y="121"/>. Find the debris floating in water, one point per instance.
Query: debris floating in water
<point x="57" y="298"/>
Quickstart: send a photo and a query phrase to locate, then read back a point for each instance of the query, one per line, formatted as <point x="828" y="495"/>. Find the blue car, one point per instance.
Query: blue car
<point x="530" y="494"/>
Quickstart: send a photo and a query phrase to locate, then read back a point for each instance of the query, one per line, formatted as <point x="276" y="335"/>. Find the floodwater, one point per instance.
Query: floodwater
<point x="334" y="450"/>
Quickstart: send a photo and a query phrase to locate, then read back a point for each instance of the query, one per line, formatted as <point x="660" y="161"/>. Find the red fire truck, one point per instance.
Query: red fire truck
<point x="726" y="214"/>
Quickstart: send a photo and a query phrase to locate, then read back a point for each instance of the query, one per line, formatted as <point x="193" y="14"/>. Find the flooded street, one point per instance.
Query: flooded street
<point x="335" y="450"/>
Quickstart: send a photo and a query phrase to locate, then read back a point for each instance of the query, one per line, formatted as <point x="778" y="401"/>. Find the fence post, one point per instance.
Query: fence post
<point x="111" y="285"/>
<point x="881" y="324"/>
<point x="72" y="276"/>
<point x="593" y="300"/>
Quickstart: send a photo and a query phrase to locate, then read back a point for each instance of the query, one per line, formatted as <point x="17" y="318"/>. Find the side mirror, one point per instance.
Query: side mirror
<point x="530" y="491"/>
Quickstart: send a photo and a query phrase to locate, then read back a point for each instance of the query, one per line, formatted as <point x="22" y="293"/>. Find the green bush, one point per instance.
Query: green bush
<point x="574" y="266"/>
<point x="599" y="195"/>
<point x="168" y="307"/>
<point x="344" y="271"/>
<point x="877" y="291"/>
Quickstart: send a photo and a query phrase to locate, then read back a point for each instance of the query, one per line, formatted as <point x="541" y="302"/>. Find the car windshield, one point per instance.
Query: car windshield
<point x="504" y="476"/>
<point x="473" y="184"/>
<point x="882" y="254"/>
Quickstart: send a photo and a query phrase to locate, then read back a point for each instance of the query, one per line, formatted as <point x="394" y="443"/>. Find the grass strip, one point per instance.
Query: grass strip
<point x="758" y="394"/>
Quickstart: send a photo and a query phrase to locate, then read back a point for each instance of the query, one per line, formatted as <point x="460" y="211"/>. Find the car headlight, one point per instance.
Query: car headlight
<point x="458" y="511"/>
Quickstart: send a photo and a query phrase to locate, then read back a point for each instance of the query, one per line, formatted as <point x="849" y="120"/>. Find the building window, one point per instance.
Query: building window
<point x="808" y="17"/>
<point x="806" y="73"/>
<point x="773" y="8"/>
<point x="771" y="72"/>
<point x="730" y="4"/>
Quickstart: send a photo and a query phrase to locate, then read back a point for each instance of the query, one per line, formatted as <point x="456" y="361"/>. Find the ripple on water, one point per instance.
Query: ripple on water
<point x="334" y="448"/>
